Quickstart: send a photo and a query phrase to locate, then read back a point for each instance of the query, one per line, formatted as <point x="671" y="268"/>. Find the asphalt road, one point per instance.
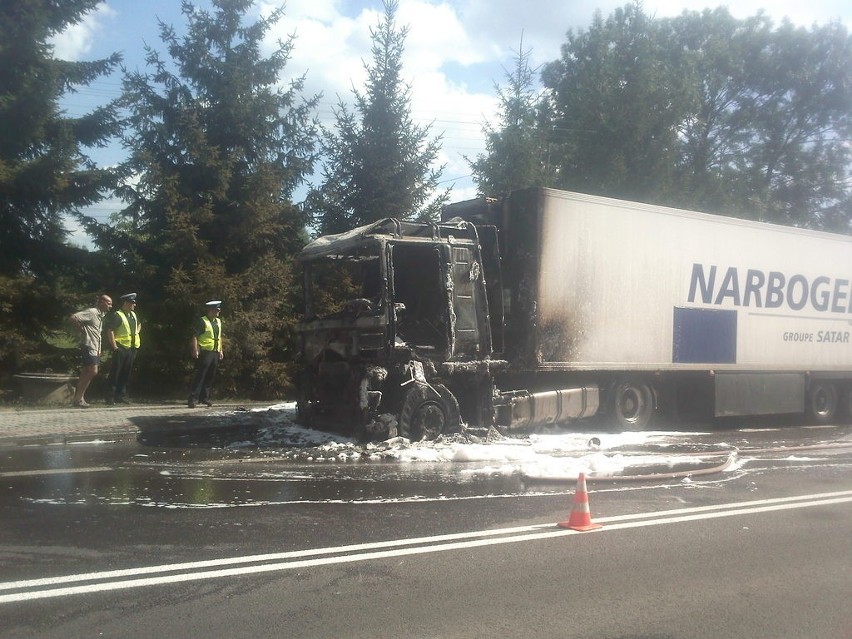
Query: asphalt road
<point x="761" y="551"/>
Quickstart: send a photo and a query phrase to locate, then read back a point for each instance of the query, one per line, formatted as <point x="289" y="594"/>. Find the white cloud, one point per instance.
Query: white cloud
<point x="800" y="13"/>
<point x="328" y="48"/>
<point x="436" y="37"/>
<point x="455" y="52"/>
<point x="332" y="47"/>
<point x="77" y="40"/>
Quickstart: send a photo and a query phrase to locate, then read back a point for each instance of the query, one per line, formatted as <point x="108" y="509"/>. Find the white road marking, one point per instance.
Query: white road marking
<point x="55" y="471"/>
<point x="117" y="579"/>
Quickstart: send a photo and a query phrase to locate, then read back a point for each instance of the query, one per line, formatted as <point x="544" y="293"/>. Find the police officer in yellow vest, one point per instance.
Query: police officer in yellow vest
<point x="206" y="348"/>
<point x="122" y="331"/>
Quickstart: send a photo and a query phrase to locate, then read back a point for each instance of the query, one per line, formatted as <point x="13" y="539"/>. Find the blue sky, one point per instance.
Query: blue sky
<point x="455" y="52"/>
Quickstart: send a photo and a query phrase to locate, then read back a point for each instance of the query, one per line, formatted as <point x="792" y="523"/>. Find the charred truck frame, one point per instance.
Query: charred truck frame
<point x="549" y="306"/>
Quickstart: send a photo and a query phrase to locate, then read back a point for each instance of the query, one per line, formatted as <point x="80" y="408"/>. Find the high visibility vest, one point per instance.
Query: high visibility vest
<point x="210" y="339"/>
<point x="124" y="335"/>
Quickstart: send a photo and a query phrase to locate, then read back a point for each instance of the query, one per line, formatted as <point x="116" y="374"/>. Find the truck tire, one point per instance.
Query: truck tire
<point x="304" y="414"/>
<point x="428" y="410"/>
<point x="822" y="402"/>
<point x="304" y="410"/>
<point x="632" y="404"/>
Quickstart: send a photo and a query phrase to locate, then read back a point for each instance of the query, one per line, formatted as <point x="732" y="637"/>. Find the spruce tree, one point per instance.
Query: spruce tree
<point x="517" y="149"/>
<point x="45" y="174"/>
<point x="378" y="162"/>
<point x="216" y="150"/>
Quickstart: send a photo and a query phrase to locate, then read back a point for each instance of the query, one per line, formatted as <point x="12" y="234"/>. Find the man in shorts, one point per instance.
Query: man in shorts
<point x="88" y="323"/>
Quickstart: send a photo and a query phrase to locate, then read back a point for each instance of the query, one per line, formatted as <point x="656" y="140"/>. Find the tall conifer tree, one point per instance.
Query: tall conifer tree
<point x="216" y="151"/>
<point x="378" y="162"/>
<point x="517" y="149"/>
<point x="45" y="173"/>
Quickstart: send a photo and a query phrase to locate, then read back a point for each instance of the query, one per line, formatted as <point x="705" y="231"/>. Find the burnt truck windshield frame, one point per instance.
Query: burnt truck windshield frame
<point x="352" y="272"/>
<point x="419" y="293"/>
<point x="347" y="282"/>
<point x="424" y="290"/>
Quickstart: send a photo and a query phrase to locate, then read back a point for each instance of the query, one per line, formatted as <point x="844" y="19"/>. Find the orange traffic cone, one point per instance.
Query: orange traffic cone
<point x="580" y="518"/>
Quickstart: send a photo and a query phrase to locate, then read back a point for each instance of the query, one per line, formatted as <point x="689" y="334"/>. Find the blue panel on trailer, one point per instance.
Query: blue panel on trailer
<point x="704" y="336"/>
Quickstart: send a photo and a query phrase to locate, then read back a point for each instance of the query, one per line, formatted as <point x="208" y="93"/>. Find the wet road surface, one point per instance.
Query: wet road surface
<point x="249" y="467"/>
<point x="263" y="530"/>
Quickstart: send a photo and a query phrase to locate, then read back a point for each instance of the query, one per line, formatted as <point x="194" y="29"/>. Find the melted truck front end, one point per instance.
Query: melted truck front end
<point x="396" y="331"/>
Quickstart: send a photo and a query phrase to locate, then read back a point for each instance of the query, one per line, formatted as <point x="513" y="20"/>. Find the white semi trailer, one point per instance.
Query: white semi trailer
<point x="549" y="306"/>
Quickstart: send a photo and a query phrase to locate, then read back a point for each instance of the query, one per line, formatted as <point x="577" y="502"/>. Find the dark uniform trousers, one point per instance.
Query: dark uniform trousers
<point x="119" y="372"/>
<point x="202" y="381"/>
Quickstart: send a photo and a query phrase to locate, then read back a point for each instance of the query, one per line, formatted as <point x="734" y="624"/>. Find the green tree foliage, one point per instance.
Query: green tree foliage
<point x="517" y="151"/>
<point x="715" y="48"/>
<point x="216" y="151"/>
<point x="377" y="163"/>
<point x="617" y="100"/>
<point x="769" y="136"/>
<point x="44" y="174"/>
<point x="800" y="114"/>
<point x="708" y="112"/>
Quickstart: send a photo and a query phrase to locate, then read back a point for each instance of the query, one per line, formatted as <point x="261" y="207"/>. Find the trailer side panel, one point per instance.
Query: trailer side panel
<point x="624" y="286"/>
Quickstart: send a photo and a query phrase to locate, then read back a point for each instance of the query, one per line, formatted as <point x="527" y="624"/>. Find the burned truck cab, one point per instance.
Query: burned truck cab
<point x="396" y="315"/>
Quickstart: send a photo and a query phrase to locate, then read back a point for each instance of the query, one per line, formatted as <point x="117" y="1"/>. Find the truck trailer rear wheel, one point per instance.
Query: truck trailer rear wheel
<point x="822" y="402"/>
<point x="632" y="404"/>
<point x="428" y="410"/>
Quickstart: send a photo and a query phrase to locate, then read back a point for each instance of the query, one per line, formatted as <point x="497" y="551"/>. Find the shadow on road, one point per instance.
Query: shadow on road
<point x="203" y="430"/>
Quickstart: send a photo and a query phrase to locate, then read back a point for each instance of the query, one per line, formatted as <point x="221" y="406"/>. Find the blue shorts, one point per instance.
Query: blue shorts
<point x="88" y="358"/>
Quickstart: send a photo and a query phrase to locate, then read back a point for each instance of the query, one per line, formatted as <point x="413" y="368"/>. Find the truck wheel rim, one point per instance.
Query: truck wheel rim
<point x="631" y="404"/>
<point x="821" y="403"/>
<point x="428" y="420"/>
<point x="824" y="401"/>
